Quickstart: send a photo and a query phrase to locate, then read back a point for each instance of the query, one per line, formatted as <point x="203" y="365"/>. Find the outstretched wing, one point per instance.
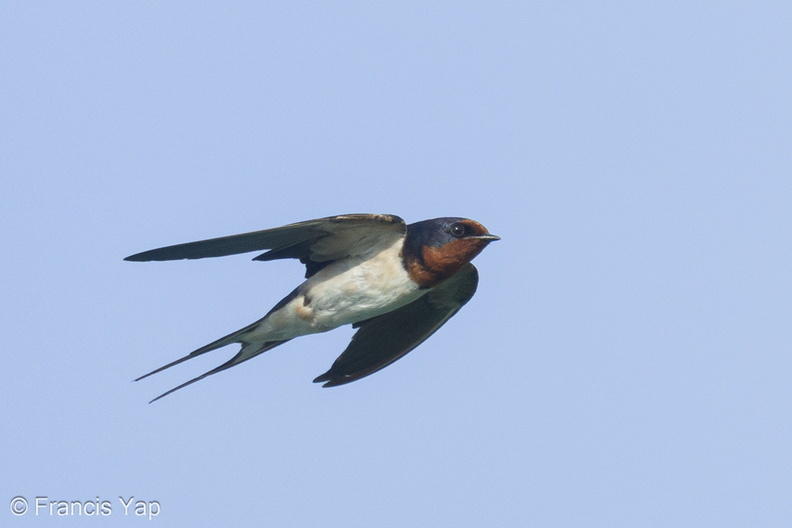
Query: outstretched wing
<point x="383" y="339"/>
<point x="314" y="242"/>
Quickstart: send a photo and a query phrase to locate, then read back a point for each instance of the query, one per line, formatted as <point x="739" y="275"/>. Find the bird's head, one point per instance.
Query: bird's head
<point x="436" y="249"/>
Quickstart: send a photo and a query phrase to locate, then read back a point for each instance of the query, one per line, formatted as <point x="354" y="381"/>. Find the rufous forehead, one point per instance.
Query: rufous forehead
<point x="474" y="227"/>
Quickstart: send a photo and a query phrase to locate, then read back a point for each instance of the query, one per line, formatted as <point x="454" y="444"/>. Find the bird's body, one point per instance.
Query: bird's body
<point x="348" y="291"/>
<point x="396" y="283"/>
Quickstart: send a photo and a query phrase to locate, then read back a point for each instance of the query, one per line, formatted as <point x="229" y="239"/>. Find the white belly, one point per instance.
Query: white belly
<point x="344" y="292"/>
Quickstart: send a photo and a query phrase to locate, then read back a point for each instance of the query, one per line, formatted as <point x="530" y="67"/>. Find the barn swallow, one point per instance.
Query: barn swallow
<point x="395" y="283"/>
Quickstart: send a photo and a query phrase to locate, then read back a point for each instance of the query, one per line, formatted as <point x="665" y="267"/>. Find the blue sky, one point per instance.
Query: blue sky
<point x="625" y="362"/>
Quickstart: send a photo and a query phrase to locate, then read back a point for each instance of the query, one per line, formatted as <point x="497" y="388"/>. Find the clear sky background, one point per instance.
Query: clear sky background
<point x="625" y="362"/>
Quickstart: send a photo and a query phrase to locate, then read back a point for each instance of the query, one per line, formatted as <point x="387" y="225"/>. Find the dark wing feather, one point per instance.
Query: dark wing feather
<point x="382" y="340"/>
<point x="320" y="240"/>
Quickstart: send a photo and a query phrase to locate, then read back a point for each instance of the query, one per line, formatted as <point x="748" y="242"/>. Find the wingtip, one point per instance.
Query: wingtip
<point x="323" y="377"/>
<point x="137" y="257"/>
<point x="329" y="379"/>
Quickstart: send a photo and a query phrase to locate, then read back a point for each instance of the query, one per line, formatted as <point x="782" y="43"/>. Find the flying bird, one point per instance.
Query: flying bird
<point x="395" y="283"/>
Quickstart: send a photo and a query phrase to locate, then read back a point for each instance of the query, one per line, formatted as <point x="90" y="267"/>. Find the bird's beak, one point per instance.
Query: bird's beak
<point x="488" y="237"/>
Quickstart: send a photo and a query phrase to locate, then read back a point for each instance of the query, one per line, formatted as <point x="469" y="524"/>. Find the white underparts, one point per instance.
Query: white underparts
<point x="345" y="292"/>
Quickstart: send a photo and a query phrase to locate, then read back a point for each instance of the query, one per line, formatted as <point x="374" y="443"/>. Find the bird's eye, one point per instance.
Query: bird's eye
<point x="458" y="230"/>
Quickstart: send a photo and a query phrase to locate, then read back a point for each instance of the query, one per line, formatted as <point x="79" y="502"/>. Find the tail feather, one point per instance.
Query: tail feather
<point x="234" y="337"/>
<point x="248" y="351"/>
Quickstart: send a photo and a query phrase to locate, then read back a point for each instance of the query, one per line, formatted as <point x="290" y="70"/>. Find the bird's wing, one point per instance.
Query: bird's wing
<point x="382" y="340"/>
<point x="314" y="242"/>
